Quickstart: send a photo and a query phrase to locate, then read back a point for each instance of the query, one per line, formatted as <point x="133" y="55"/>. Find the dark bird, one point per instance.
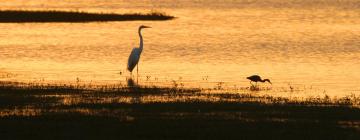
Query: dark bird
<point x="257" y="78"/>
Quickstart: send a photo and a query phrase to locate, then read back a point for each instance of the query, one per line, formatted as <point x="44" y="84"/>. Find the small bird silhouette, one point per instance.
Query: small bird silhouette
<point x="257" y="78"/>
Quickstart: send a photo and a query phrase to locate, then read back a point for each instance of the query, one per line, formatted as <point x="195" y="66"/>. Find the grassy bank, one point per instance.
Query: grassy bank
<point x="19" y="16"/>
<point x="35" y="111"/>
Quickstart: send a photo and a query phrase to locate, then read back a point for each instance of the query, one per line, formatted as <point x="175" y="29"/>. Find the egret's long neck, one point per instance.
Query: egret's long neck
<point x="141" y="41"/>
<point x="266" y="80"/>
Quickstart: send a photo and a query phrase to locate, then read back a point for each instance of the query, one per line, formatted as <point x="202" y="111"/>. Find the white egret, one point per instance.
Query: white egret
<point x="136" y="52"/>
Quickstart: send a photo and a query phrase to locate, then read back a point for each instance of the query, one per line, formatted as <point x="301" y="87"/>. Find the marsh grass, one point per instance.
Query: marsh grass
<point x="58" y="111"/>
<point x="169" y="94"/>
<point x="19" y="16"/>
<point x="40" y="88"/>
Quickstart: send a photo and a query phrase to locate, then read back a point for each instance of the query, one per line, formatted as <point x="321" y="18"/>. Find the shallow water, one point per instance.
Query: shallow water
<point x="310" y="46"/>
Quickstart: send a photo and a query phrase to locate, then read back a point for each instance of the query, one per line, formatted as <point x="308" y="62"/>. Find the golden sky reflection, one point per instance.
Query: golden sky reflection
<point x="306" y="45"/>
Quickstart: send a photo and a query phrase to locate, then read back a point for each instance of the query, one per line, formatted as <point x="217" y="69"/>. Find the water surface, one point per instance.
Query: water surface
<point x="310" y="46"/>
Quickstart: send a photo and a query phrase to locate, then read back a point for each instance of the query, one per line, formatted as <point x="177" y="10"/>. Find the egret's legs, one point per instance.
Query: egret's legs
<point x="137" y="73"/>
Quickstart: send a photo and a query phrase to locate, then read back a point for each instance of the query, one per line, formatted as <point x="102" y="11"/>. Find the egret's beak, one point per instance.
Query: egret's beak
<point x="146" y="26"/>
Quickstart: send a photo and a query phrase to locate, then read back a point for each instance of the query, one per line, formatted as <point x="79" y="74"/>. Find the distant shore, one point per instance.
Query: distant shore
<point x="21" y="16"/>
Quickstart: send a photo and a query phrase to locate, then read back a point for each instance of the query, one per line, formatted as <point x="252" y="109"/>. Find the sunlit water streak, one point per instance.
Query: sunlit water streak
<point x="311" y="46"/>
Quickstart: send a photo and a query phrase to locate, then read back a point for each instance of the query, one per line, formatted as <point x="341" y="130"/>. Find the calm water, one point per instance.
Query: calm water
<point x="312" y="45"/>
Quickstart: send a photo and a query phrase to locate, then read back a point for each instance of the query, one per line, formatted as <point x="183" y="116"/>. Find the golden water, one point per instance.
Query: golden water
<point x="312" y="46"/>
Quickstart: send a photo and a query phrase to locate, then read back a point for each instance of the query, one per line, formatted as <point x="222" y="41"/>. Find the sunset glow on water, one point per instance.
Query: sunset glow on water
<point x="312" y="46"/>
<point x="64" y="69"/>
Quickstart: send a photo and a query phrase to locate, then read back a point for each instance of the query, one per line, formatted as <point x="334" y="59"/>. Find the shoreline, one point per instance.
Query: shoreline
<point x="131" y="89"/>
<point x="35" y="111"/>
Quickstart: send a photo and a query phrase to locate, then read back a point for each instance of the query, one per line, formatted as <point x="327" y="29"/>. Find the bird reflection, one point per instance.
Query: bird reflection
<point x="131" y="83"/>
<point x="134" y="88"/>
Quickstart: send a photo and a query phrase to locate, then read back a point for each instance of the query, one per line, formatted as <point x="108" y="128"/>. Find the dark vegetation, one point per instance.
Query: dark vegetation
<point x="36" y="111"/>
<point x="18" y="16"/>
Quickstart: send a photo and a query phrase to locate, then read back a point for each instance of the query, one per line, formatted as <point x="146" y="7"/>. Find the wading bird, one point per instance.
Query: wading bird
<point x="257" y="78"/>
<point x="135" y="53"/>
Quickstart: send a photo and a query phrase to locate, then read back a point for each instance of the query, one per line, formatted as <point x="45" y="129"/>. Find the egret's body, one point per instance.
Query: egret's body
<point x="136" y="52"/>
<point x="257" y="78"/>
<point x="134" y="58"/>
